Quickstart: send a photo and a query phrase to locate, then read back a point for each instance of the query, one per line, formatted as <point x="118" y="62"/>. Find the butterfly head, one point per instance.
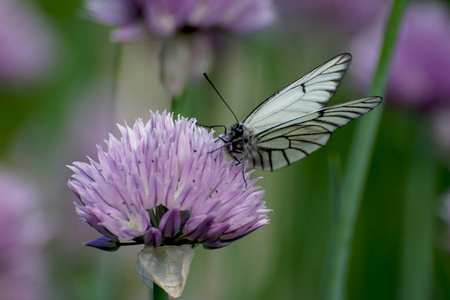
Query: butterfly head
<point x="237" y="131"/>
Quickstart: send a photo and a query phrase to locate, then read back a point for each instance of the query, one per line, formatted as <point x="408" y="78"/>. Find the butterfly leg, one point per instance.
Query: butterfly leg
<point x="242" y="170"/>
<point x="243" y="176"/>
<point x="238" y="162"/>
<point x="220" y="138"/>
<point x="216" y="149"/>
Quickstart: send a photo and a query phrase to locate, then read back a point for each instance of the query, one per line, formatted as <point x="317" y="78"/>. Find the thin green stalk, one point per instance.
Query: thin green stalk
<point x="358" y="164"/>
<point x="335" y="187"/>
<point x="336" y="202"/>
<point x="182" y="104"/>
<point x="115" y="69"/>
<point x="417" y="255"/>
<point x="107" y="277"/>
<point x="159" y="293"/>
<point x="361" y="150"/>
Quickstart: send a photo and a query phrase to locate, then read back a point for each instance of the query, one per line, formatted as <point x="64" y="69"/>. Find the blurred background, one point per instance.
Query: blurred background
<point x="65" y="83"/>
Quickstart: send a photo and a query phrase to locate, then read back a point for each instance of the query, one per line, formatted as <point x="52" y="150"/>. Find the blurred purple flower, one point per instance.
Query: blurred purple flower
<point x="124" y="15"/>
<point x="186" y="26"/>
<point x="161" y="185"/>
<point x="344" y="16"/>
<point x="27" y="43"/>
<point x="419" y="77"/>
<point x="24" y="233"/>
<point x="166" y="18"/>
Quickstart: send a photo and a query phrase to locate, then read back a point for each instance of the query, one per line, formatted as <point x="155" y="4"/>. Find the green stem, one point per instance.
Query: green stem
<point x="361" y="150"/>
<point x="417" y="254"/>
<point x="358" y="164"/>
<point x="183" y="104"/>
<point x="335" y="187"/>
<point x="107" y="276"/>
<point x="159" y="293"/>
<point x="336" y="203"/>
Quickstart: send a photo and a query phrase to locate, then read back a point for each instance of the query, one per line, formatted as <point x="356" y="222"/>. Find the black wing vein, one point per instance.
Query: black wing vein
<point x="290" y="141"/>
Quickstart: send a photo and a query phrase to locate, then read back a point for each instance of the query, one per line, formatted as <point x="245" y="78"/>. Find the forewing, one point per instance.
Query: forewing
<point x="291" y="141"/>
<point x="309" y="93"/>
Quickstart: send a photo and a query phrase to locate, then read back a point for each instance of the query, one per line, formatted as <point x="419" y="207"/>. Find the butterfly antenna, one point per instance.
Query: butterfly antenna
<point x="207" y="78"/>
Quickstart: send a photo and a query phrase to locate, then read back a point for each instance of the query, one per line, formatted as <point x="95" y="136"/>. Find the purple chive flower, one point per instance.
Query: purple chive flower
<point x="27" y="44"/>
<point x="188" y="28"/>
<point x="165" y="18"/>
<point x="24" y="231"/>
<point x="163" y="184"/>
<point x="419" y="77"/>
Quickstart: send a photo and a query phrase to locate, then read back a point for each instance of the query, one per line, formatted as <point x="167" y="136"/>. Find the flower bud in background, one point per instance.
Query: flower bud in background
<point x="419" y="74"/>
<point x="24" y="232"/>
<point x="188" y="29"/>
<point x="27" y="44"/>
<point x="184" y="58"/>
<point x="163" y="185"/>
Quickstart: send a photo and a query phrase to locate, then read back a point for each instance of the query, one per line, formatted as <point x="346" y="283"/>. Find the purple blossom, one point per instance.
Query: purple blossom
<point x="24" y="232"/>
<point x="419" y="74"/>
<point x="189" y="29"/>
<point x="124" y="15"/>
<point x="28" y="44"/>
<point x="166" y="18"/>
<point x="163" y="184"/>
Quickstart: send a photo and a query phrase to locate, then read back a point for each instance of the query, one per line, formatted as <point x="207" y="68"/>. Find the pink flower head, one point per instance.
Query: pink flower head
<point x="165" y="18"/>
<point x="419" y="76"/>
<point x="163" y="184"/>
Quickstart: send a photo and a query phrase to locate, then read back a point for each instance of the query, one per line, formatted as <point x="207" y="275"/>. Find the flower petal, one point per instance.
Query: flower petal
<point x="170" y="223"/>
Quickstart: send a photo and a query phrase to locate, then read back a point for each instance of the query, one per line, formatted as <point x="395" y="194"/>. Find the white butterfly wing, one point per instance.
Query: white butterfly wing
<point x="290" y="141"/>
<point x="309" y="93"/>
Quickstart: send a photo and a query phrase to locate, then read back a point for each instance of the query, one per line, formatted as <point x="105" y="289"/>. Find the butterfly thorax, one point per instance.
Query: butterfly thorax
<point x="237" y="141"/>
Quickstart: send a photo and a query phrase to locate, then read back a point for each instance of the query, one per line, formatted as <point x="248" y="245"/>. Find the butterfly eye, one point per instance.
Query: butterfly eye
<point x="238" y="131"/>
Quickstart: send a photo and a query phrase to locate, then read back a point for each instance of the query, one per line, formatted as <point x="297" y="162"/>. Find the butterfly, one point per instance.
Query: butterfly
<point x="294" y="122"/>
